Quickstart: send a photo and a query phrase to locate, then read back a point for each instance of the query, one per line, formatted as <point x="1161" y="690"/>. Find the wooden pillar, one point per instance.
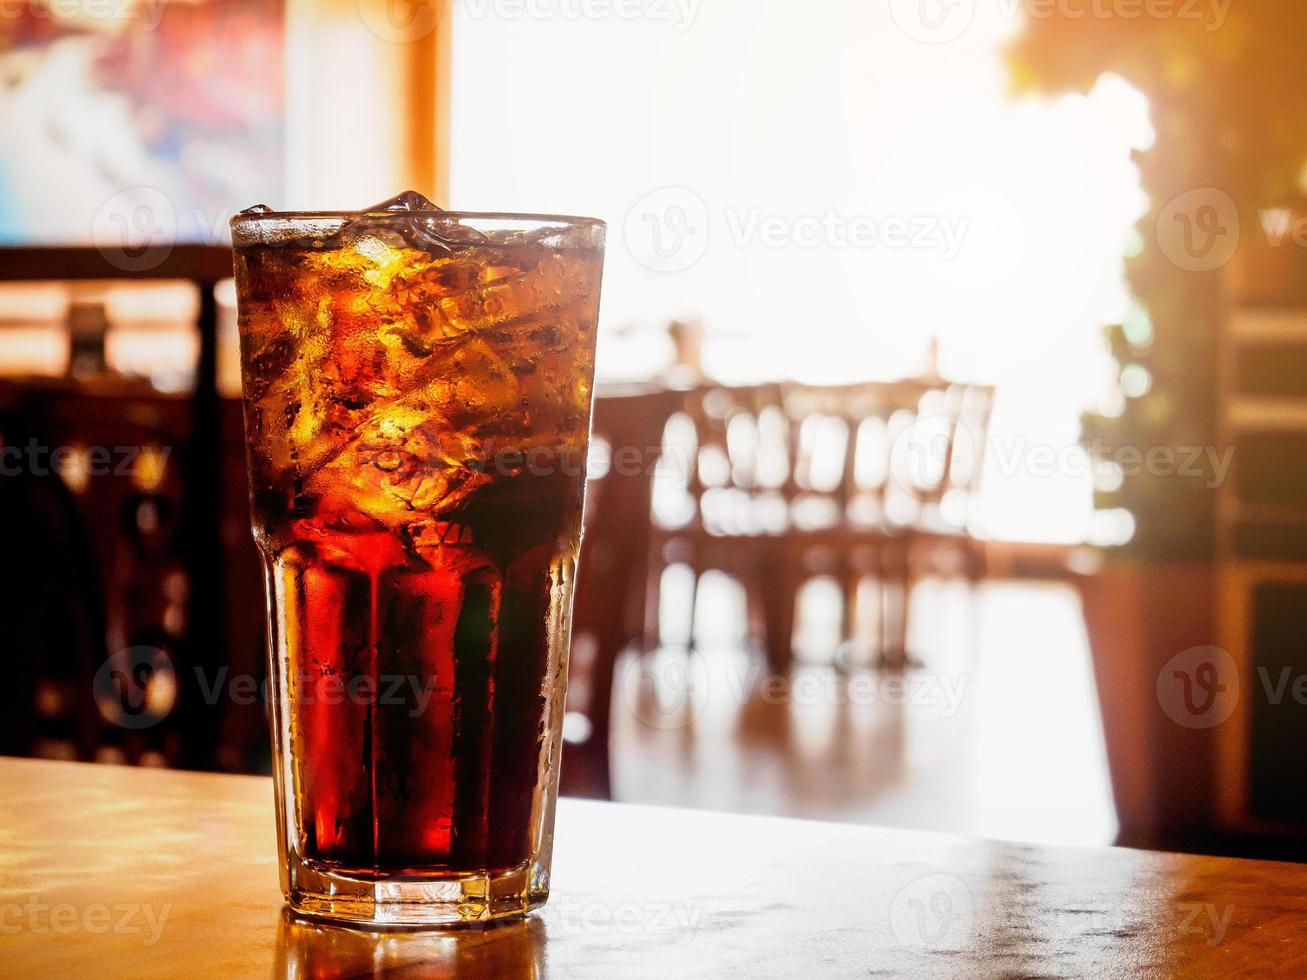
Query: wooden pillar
<point x="367" y="101"/>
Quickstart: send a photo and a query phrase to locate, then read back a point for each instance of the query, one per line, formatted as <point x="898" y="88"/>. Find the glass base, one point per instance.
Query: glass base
<point x="409" y="902"/>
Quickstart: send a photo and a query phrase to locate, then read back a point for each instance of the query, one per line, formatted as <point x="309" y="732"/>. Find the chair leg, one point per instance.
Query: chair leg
<point x="976" y="561"/>
<point x="882" y="611"/>
<point x="697" y="577"/>
<point x="652" y="623"/>
<point x="598" y="749"/>
<point x="756" y="612"/>
<point x="896" y="587"/>
<point x="977" y="569"/>
<point x="851" y="581"/>
<point x="780" y="588"/>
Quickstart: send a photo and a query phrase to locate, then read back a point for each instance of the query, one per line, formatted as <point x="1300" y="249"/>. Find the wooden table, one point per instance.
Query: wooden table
<point x="113" y="872"/>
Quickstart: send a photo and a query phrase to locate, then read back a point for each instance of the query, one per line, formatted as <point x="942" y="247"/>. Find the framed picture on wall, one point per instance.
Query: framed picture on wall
<point x="138" y="121"/>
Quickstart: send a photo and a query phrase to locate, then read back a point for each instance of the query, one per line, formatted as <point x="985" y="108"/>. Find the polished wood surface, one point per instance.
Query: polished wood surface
<point x="947" y="748"/>
<point x="118" y="872"/>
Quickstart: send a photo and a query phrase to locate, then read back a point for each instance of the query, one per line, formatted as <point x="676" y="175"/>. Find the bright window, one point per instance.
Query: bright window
<point x="827" y="193"/>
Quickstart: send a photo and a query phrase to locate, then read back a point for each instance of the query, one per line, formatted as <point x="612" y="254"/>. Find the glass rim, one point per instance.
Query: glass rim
<point x="253" y="217"/>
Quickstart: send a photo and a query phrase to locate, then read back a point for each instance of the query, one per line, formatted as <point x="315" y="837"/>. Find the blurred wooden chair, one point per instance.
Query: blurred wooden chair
<point x="780" y="483"/>
<point x="730" y="454"/>
<point x="145" y="555"/>
<point x="92" y="485"/>
<point x="52" y="605"/>
<point x="611" y="600"/>
<point x="915" y="480"/>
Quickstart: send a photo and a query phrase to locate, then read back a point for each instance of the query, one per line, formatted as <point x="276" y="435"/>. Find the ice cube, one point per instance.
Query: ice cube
<point x="402" y="460"/>
<point x="405" y="201"/>
<point x="429" y="228"/>
<point x="528" y="291"/>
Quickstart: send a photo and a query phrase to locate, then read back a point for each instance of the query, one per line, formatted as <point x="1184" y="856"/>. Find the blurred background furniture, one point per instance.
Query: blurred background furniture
<point x="781" y="482"/>
<point x="1261" y="539"/>
<point x="140" y="522"/>
<point x="612" y="595"/>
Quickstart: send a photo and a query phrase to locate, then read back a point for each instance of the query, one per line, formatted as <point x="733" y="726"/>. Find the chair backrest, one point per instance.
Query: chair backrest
<point x="94" y="476"/>
<point x="832" y="429"/>
<point x="194" y="526"/>
<point x="934" y="457"/>
<point x="95" y="496"/>
<point x="612" y="579"/>
<point x="731" y="445"/>
<point x="870" y="453"/>
<point x="725" y="450"/>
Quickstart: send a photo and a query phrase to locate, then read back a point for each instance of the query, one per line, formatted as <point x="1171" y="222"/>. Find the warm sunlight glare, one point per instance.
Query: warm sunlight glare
<point x="770" y="136"/>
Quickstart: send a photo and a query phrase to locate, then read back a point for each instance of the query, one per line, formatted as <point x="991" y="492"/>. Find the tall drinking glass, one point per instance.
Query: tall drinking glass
<point x="417" y="408"/>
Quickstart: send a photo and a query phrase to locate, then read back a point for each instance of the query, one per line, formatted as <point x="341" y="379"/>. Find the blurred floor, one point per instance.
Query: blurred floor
<point x="998" y="734"/>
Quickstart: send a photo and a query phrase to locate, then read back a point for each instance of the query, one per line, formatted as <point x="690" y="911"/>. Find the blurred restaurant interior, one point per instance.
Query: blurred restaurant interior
<point x="973" y="355"/>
